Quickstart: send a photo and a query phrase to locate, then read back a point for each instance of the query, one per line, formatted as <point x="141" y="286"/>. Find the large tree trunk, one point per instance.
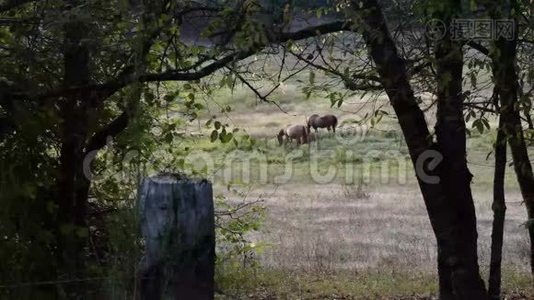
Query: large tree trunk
<point x="73" y="183"/>
<point x="506" y="82"/>
<point x="71" y="218"/>
<point x="499" y="211"/>
<point x="456" y="178"/>
<point x="450" y="227"/>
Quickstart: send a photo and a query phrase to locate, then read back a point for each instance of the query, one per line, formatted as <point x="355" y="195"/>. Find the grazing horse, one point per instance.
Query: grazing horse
<point x="326" y="121"/>
<point x="293" y="132"/>
<point x="311" y="137"/>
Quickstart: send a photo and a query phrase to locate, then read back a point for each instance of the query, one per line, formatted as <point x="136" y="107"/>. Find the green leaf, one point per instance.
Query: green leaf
<point x="149" y="97"/>
<point x="486" y="123"/>
<point x="226" y="137"/>
<point x="168" y="98"/>
<point x="214" y="135"/>
<point x="478" y="125"/>
<point x="168" y="137"/>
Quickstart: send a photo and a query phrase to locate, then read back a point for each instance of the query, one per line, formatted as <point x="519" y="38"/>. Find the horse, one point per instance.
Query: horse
<point x="291" y="132"/>
<point x="326" y="121"/>
<point x="311" y="137"/>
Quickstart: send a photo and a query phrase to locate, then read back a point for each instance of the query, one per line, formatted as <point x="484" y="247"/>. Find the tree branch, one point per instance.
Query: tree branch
<point x="104" y="90"/>
<point x="481" y="108"/>
<point x="419" y="68"/>
<point x="99" y="139"/>
<point x="11" y="4"/>
<point x="256" y="92"/>
<point x="478" y="47"/>
<point x="311" y="31"/>
<point x="349" y="82"/>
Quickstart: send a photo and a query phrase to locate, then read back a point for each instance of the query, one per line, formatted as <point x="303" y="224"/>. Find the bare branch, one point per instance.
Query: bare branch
<point x="349" y="82"/>
<point x="479" y="107"/>
<point x="255" y="91"/>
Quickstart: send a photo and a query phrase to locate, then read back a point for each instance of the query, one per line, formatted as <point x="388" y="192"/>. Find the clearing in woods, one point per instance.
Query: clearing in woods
<point x="349" y="220"/>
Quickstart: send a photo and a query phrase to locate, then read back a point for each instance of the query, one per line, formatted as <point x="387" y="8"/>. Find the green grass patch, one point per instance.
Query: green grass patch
<point x="368" y="284"/>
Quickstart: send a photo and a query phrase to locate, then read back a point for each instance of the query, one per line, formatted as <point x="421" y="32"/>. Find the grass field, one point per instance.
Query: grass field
<point x="349" y="220"/>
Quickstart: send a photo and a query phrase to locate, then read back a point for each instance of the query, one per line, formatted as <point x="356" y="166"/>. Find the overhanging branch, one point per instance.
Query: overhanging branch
<point x="99" y="139"/>
<point x="104" y="90"/>
<point x="349" y="82"/>
<point x="479" y="47"/>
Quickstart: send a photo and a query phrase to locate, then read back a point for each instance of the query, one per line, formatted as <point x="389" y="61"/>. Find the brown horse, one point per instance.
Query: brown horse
<point x="326" y="121"/>
<point x="311" y="137"/>
<point x="293" y="132"/>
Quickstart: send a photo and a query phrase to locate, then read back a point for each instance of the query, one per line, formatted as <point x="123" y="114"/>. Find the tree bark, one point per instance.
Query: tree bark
<point x="506" y="81"/>
<point x="456" y="177"/>
<point x="450" y="227"/>
<point x="518" y="147"/>
<point x="72" y="209"/>
<point x="499" y="211"/>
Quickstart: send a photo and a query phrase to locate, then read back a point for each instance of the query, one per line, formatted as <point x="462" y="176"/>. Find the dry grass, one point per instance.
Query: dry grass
<point x="333" y="241"/>
<point x="329" y="241"/>
<point x="324" y="228"/>
<point x="345" y="241"/>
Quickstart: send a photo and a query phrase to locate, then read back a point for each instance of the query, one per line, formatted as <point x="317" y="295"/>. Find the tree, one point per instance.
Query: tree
<point x="455" y="175"/>
<point x="52" y="116"/>
<point x="504" y="59"/>
<point x="499" y="210"/>
<point x="114" y="55"/>
<point x="451" y="215"/>
<point x="450" y="130"/>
